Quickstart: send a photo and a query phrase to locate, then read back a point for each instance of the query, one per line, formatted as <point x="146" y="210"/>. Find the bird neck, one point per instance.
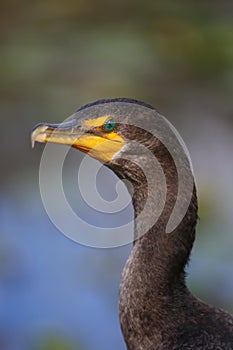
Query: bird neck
<point x="153" y="279"/>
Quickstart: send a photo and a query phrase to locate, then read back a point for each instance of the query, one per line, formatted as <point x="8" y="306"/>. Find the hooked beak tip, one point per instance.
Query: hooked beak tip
<point x="38" y="134"/>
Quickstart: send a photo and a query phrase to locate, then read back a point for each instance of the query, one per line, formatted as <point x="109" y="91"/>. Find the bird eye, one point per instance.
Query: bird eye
<point x="109" y="125"/>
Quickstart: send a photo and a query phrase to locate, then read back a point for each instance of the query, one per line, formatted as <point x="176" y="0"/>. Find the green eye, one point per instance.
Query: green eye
<point x="109" y="125"/>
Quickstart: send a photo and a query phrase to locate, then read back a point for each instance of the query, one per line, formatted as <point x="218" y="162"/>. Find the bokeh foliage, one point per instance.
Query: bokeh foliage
<point x="58" y="55"/>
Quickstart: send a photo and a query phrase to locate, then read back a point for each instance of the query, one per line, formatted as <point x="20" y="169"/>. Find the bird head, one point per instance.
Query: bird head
<point x="105" y="129"/>
<point x="137" y="143"/>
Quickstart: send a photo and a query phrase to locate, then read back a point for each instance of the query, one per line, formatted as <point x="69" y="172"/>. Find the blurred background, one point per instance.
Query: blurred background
<point x="57" y="55"/>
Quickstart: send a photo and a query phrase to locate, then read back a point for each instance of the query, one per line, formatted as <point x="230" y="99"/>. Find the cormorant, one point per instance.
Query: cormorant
<point x="157" y="311"/>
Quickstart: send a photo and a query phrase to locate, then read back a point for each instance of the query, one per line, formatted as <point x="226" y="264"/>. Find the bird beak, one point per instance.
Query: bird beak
<point x="98" y="145"/>
<point x="65" y="133"/>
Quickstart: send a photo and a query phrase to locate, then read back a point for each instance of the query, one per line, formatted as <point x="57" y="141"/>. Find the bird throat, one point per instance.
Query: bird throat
<point x="153" y="278"/>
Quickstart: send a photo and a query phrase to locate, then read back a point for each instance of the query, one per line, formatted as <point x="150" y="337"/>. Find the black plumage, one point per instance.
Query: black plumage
<point x="157" y="311"/>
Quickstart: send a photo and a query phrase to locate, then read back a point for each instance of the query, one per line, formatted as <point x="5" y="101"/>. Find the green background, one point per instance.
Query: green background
<point x="58" y="55"/>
